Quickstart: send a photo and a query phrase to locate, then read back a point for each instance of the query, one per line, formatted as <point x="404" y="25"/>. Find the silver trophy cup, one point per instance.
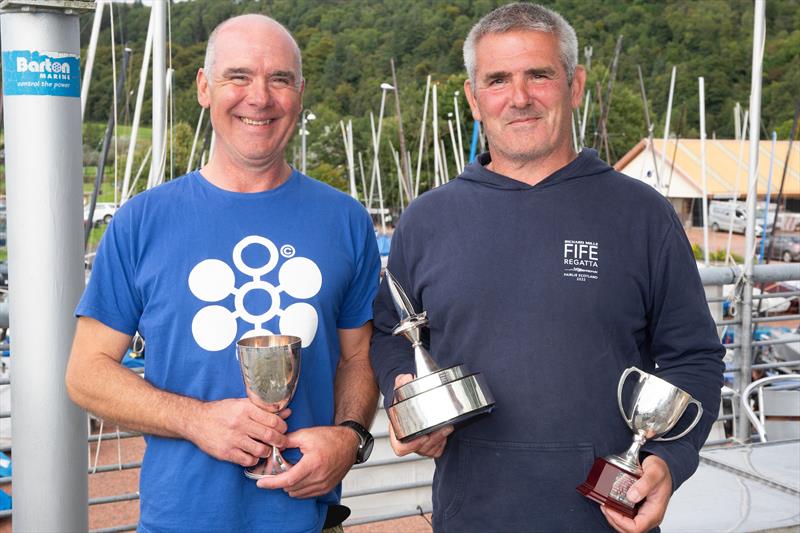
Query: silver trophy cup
<point x="437" y="397"/>
<point x="270" y="367"/>
<point x="654" y="408"/>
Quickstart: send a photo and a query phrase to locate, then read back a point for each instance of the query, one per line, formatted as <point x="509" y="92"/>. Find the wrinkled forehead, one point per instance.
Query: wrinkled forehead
<point x="518" y="47"/>
<point x="255" y="44"/>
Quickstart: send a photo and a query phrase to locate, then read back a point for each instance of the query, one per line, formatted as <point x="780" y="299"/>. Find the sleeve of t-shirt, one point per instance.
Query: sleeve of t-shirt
<point x="356" y="309"/>
<point x="683" y="342"/>
<point x="111" y="296"/>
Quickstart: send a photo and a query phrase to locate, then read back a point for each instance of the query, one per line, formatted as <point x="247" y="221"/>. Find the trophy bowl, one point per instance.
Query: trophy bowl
<point x="270" y="366"/>
<point x="655" y="408"/>
<point x="428" y="405"/>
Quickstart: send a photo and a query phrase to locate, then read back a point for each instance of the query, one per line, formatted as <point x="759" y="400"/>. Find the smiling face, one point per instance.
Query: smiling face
<point x="523" y="98"/>
<point x="254" y="92"/>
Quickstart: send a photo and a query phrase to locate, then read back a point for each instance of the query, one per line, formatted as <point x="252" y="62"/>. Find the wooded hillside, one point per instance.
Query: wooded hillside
<point x="347" y="46"/>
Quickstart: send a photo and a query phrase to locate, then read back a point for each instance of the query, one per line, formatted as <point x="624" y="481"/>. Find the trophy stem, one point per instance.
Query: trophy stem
<point x="630" y="459"/>
<point x="423" y="361"/>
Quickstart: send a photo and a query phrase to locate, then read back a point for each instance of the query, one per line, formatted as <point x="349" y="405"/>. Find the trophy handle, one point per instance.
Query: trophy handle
<point x="622" y="379"/>
<point x="691" y="426"/>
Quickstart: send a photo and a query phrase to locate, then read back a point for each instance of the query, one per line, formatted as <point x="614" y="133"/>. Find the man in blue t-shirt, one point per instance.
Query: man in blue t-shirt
<point x="246" y="246"/>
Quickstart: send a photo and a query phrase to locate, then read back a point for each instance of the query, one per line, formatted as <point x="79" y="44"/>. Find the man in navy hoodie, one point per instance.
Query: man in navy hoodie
<point x="550" y="273"/>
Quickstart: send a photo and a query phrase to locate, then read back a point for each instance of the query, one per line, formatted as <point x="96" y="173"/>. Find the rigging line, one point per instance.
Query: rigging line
<point x="114" y="95"/>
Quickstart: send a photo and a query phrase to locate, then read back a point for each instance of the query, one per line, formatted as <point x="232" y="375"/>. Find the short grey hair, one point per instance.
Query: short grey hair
<point x="524" y="16"/>
<point x="208" y="63"/>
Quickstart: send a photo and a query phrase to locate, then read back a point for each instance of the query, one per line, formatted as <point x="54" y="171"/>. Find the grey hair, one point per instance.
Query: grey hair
<point x="524" y="16"/>
<point x="208" y="63"/>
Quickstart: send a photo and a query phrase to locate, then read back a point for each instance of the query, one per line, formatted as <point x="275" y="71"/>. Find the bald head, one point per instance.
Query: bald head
<point x="242" y="26"/>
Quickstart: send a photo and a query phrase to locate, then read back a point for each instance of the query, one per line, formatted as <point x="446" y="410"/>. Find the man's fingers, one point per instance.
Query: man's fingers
<point x="293" y="477"/>
<point x="243" y="458"/>
<point x="269" y="420"/>
<point x="402" y="379"/>
<point x="254" y="448"/>
<point x="615" y="519"/>
<point x="436" y="442"/>
<point x="654" y="473"/>
<point x="267" y="436"/>
<point x="644" y="486"/>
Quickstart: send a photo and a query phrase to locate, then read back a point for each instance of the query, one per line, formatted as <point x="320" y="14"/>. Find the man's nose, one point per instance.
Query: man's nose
<point x="520" y="93"/>
<point x="259" y="94"/>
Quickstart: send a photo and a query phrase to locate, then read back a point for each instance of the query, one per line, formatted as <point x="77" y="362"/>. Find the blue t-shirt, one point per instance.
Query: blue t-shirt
<point x="194" y="268"/>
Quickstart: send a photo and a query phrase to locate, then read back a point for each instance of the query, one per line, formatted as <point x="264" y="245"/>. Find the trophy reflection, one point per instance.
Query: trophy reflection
<point x="270" y="367"/>
<point x="436" y="397"/>
<point x="655" y="407"/>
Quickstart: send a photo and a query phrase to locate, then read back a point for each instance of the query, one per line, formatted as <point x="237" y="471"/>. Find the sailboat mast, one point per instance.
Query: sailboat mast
<point x="90" y="53"/>
<point x="667" y="120"/>
<point x="137" y="112"/>
<point x="703" y="166"/>
<point x="159" y="12"/>
<point x="422" y="129"/>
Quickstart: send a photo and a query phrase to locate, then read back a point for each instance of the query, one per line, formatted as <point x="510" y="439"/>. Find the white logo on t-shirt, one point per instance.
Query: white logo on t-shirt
<point x="214" y="327"/>
<point x="581" y="259"/>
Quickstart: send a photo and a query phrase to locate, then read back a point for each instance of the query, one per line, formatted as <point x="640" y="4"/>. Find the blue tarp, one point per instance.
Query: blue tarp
<point x="384" y="243"/>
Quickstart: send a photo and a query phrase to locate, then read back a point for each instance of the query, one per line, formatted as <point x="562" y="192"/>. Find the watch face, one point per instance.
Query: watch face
<point x="366" y="450"/>
<point x="365" y="446"/>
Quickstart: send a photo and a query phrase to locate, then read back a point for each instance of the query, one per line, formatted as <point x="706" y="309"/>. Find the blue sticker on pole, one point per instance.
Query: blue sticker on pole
<point x="29" y="72"/>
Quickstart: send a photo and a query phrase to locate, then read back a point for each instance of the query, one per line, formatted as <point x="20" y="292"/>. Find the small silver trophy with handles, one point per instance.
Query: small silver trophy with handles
<point x="655" y="407"/>
<point x="270" y="366"/>
<point x="437" y="397"/>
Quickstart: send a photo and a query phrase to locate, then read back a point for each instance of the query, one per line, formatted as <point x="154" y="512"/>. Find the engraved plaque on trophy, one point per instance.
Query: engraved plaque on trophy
<point x="655" y="407"/>
<point x="436" y="397"/>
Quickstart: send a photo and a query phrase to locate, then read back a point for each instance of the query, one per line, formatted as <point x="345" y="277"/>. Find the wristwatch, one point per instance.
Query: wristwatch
<point x="365" y="440"/>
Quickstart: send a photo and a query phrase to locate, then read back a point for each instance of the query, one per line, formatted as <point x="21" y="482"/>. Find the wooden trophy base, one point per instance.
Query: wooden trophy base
<point x="608" y="484"/>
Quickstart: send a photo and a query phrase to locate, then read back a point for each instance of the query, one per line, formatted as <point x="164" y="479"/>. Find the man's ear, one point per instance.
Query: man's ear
<point x="203" y="96"/>
<point x="578" y="84"/>
<point x="473" y="104"/>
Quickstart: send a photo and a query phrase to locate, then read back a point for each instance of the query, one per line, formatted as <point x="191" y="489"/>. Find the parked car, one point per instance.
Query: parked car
<point x="103" y="212"/>
<point x="722" y="215"/>
<point x="786" y="247"/>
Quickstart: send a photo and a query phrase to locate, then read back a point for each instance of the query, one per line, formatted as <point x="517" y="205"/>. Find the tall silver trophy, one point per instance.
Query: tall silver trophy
<point x="270" y="367"/>
<point x="437" y="397"/>
<point x="655" y="406"/>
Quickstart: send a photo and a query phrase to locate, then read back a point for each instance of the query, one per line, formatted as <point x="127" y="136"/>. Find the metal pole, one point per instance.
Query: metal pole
<point x="194" y="142"/>
<point x="457" y="113"/>
<point x="101" y="163"/>
<point x="41" y="85"/>
<point x="437" y="175"/>
<point x="766" y="200"/>
<point x="159" y="91"/>
<point x="582" y="140"/>
<point x="743" y="430"/>
<point x="703" y="166"/>
<point x="667" y="119"/>
<point x="137" y="112"/>
<point x="406" y="175"/>
<point x="422" y="134"/>
<point x="90" y="51"/>
<point x="303" y="134"/>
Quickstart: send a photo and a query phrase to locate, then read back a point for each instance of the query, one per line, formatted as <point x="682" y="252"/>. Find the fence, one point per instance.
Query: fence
<point x="391" y="487"/>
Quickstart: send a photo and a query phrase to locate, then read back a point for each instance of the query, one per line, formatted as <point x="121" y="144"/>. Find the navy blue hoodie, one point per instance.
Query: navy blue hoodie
<point x="550" y="291"/>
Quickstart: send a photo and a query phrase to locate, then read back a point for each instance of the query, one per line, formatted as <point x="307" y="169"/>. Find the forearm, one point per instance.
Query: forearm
<point x="354" y="389"/>
<point x="356" y="395"/>
<point x="97" y="382"/>
<point x="115" y="393"/>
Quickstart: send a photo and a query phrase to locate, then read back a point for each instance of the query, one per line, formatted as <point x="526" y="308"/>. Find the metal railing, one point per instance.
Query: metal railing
<point x="741" y="367"/>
